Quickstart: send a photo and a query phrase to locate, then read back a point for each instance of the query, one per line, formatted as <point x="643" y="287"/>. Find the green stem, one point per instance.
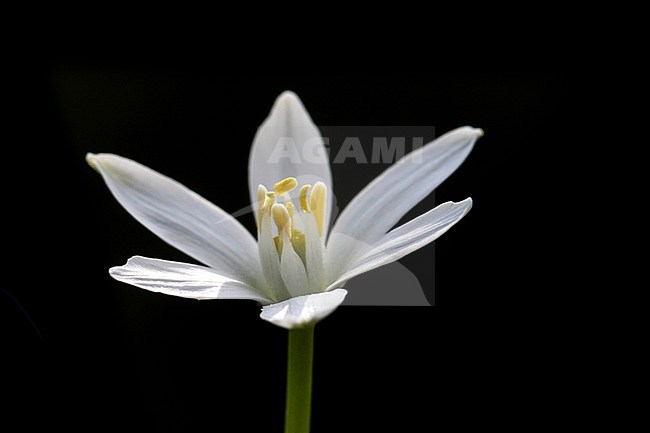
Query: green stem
<point x="299" y="374"/>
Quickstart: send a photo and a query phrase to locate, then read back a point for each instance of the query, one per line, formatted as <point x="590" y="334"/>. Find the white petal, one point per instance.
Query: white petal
<point x="293" y="270"/>
<point x="288" y="144"/>
<point x="314" y="255"/>
<point x="181" y="217"/>
<point x="271" y="261"/>
<point x="183" y="280"/>
<point x="304" y="310"/>
<point x="381" y="205"/>
<point x="407" y="238"/>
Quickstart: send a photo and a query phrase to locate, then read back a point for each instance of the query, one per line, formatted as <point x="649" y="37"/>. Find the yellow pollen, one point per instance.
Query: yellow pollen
<point x="285" y="186"/>
<point x="282" y="218"/>
<point x="318" y="205"/>
<point x="304" y="204"/>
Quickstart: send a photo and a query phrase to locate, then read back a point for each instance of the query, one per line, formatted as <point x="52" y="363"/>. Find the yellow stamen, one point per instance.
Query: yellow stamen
<point x="261" y="196"/>
<point x="299" y="245"/>
<point x="318" y="205"/>
<point x="304" y="204"/>
<point x="285" y="186"/>
<point x="297" y="242"/>
<point x="261" y="199"/>
<point x="290" y="208"/>
<point x="292" y="211"/>
<point x="269" y="201"/>
<point x="278" y="245"/>
<point x="282" y="218"/>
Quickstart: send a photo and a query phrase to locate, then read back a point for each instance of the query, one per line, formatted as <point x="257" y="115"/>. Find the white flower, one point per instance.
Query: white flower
<point x="297" y="266"/>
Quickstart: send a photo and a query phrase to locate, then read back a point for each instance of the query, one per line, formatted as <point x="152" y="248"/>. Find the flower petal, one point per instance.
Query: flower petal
<point x="407" y="238"/>
<point x="183" y="280"/>
<point x="314" y="255"/>
<point x="181" y="217"/>
<point x="379" y="206"/>
<point x="304" y="310"/>
<point x="293" y="270"/>
<point x="288" y="144"/>
<point x="271" y="261"/>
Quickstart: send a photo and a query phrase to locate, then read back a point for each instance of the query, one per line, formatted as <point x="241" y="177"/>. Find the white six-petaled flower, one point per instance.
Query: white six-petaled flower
<point x="297" y="266"/>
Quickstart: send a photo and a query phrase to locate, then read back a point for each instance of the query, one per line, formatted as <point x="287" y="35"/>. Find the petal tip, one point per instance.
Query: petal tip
<point x="288" y="96"/>
<point x="287" y="101"/>
<point x="114" y="271"/>
<point x="91" y="159"/>
<point x="100" y="160"/>
<point x="471" y="131"/>
<point x="468" y="203"/>
<point x="464" y="205"/>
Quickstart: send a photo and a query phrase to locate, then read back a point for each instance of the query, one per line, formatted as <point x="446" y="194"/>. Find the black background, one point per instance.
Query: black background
<point x="85" y="352"/>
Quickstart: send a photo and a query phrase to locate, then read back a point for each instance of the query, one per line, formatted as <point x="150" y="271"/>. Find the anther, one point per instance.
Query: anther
<point x="318" y="205"/>
<point x="304" y="203"/>
<point x="282" y="218"/>
<point x="285" y="186"/>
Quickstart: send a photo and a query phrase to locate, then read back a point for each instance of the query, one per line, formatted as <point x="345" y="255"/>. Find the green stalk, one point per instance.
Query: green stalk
<point x="299" y="375"/>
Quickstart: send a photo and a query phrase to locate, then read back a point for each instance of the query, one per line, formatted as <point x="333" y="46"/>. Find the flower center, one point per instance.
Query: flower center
<point x="289" y="219"/>
<point x="292" y="224"/>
